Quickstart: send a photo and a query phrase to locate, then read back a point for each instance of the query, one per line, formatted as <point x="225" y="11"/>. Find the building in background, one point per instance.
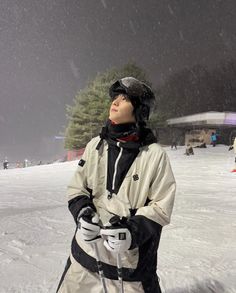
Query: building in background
<point x="197" y="128"/>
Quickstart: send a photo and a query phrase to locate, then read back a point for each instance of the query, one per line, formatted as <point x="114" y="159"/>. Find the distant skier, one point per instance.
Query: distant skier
<point x="213" y="139"/>
<point x="5" y="164"/>
<point x="124" y="182"/>
<point x="174" y="143"/>
<point x="233" y="146"/>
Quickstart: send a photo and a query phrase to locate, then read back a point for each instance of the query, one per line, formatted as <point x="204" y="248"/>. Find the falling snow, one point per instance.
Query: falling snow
<point x="104" y="3"/>
<point x="50" y="49"/>
<point x="170" y="9"/>
<point x="132" y="27"/>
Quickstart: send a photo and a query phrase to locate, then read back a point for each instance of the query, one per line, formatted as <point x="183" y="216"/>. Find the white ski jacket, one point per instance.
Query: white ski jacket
<point x="148" y="188"/>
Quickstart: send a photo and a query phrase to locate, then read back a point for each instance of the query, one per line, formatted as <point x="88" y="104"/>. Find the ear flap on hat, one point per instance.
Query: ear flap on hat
<point x="141" y="113"/>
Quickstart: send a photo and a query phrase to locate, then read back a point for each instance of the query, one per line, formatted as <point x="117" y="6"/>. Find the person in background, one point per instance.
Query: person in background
<point x="174" y="143"/>
<point x="120" y="197"/>
<point x="189" y="150"/>
<point x="201" y="146"/>
<point x="213" y="139"/>
<point x="233" y="146"/>
<point x="5" y="164"/>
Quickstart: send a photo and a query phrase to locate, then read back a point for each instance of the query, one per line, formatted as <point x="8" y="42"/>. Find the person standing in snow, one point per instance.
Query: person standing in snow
<point x="233" y="146"/>
<point x="124" y="173"/>
<point x="5" y="164"/>
<point x="213" y="139"/>
<point x="173" y="143"/>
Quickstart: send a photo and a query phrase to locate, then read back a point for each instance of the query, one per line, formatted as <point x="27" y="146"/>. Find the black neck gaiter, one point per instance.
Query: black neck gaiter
<point x="121" y="154"/>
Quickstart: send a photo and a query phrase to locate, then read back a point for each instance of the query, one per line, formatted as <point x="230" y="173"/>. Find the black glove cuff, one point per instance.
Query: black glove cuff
<point x="78" y="203"/>
<point x="86" y="213"/>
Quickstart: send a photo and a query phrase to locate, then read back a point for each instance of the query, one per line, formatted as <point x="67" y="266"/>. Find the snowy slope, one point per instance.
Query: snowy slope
<point x="197" y="251"/>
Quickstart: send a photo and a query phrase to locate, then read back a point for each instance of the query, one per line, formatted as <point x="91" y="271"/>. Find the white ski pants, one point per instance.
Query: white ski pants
<point x="79" y="280"/>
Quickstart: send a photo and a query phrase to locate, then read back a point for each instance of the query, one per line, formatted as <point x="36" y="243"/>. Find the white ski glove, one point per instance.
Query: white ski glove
<point x="117" y="237"/>
<point x="88" y="225"/>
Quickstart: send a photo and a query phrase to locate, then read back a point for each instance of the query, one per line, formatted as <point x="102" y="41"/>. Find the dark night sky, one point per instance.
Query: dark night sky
<point x="50" y="49"/>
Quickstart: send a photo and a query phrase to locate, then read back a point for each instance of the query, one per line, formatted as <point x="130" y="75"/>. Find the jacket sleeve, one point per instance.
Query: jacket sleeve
<point x="77" y="192"/>
<point x="149" y="219"/>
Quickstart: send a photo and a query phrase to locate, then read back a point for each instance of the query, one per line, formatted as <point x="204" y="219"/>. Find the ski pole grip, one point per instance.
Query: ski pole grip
<point x="118" y="221"/>
<point x="115" y="220"/>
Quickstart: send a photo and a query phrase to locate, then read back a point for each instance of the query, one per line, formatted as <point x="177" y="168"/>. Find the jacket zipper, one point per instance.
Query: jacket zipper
<point x="115" y="170"/>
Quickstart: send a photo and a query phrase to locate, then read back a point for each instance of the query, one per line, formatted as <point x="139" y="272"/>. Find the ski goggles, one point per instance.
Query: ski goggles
<point x="128" y="86"/>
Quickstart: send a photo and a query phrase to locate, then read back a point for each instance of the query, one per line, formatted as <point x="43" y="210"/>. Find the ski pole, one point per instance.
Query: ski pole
<point x="100" y="270"/>
<point x="119" y="271"/>
<point x="114" y="221"/>
<point x="89" y="215"/>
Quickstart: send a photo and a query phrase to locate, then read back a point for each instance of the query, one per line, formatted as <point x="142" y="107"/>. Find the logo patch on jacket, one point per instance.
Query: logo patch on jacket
<point x="81" y="162"/>
<point x="135" y="177"/>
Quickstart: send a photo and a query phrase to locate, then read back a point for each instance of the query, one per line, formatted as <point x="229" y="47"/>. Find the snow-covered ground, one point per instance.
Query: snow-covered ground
<point x="197" y="252"/>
